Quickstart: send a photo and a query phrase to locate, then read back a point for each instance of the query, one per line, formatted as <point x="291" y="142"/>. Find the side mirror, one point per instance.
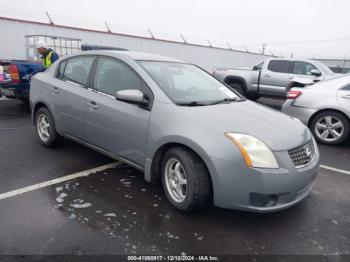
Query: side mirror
<point x="315" y="72"/>
<point x="132" y="96"/>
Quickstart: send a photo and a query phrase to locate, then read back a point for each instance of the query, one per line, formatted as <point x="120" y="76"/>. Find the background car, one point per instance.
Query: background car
<point x="179" y="125"/>
<point x="324" y="107"/>
<point x="16" y="81"/>
<point x="273" y="76"/>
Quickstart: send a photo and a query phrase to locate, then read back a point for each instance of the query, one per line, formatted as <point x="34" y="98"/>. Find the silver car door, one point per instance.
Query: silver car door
<point x="115" y="126"/>
<point x="69" y="94"/>
<point x="275" y="77"/>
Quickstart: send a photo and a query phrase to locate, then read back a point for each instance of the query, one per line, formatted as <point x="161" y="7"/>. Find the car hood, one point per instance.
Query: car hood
<point x="275" y="129"/>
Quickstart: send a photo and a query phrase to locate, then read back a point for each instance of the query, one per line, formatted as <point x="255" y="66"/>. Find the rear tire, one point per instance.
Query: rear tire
<point x="185" y="180"/>
<point x="330" y="128"/>
<point x="45" y="128"/>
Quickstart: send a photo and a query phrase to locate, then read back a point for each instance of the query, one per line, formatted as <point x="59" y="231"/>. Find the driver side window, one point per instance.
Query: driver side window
<point x="303" y="68"/>
<point x="112" y="76"/>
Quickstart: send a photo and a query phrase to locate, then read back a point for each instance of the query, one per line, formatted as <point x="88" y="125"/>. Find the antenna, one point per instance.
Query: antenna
<point x="183" y="38"/>
<point x="151" y="34"/>
<point x="209" y="43"/>
<point x="229" y="46"/>
<point x="108" y="28"/>
<point x="49" y="17"/>
<point x="246" y="49"/>
<point x="263" y="48"/>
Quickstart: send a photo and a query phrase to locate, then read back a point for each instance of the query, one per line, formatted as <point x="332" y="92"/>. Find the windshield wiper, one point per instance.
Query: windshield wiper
<point x="191" y="103"/>
<point x="225" y="100"/>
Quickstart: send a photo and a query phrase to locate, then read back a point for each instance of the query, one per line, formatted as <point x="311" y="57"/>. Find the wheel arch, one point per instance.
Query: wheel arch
<point x="36" y="107"/>
<point x="325" y="110"/>
<point x="153" y="171"/>
<point x="236" y="80"/>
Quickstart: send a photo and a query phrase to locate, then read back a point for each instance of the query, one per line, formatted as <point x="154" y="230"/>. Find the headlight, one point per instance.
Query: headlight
<point x="254" y="151"/>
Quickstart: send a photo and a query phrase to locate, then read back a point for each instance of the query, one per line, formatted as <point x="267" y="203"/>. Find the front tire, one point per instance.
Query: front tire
<point x="45" y="128"/>
<point x="253" y="97"/>
<point x="329" y="127"/>
<point x="185" y="180"/>
<point x="238" y="88"/>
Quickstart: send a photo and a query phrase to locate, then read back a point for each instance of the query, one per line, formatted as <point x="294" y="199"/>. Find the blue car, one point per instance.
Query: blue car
<point x="16" y="76"/>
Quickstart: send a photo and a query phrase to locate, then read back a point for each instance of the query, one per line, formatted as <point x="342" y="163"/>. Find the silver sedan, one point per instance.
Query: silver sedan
<point x="324" y="107"/>
<point x="180" y="126"/>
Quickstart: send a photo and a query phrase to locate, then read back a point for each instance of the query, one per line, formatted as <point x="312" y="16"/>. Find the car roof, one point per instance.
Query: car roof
<point x="140" y="56"/>
<point x="293" y="59"/>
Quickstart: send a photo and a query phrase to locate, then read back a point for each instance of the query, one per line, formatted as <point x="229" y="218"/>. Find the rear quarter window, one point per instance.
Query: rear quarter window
<point x="346" y="88"/>
<point x="76" y="69"/>
<point x="60" y="72"/>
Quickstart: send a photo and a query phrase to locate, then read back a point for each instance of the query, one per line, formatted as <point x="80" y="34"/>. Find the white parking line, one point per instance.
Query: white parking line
<point x="58" y="180"/>
<point x="336" y="169"/>
<point x="93" y="171"/>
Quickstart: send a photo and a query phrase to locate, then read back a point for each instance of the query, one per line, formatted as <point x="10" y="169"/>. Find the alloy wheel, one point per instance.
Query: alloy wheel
<point x="176" y="180"/>
<point x="43" y="127"/>
<point x="329" y="128"/>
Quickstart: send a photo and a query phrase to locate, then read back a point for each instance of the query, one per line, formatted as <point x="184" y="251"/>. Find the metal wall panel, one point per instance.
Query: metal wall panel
<point x="13" y="34"/>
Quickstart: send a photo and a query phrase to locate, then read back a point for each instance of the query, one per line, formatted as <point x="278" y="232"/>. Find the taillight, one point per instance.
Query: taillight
<point x="293" y="94"/>
<point x="14" y="73"/>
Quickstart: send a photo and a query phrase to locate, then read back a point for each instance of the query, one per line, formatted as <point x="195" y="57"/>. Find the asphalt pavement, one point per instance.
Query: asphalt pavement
<point x="116" y="212"/>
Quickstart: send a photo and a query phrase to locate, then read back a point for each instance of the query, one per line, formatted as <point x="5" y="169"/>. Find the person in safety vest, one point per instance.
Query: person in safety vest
<point x="48" y="55"/>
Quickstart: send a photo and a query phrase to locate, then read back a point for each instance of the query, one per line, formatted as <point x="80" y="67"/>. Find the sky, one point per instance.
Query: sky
<point x="298" y="28"/>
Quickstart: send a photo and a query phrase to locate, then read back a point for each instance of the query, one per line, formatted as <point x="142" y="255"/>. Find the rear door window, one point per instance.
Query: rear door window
<point x="279" y="66"/>
<point x="77" y="69"/>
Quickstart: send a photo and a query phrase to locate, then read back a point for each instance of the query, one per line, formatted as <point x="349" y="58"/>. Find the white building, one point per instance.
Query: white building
<point x="18" y="42"/>
<point x="18" y="39"/>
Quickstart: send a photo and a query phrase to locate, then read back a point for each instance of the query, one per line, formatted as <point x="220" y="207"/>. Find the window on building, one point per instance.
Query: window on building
<point x="61" y="45"/>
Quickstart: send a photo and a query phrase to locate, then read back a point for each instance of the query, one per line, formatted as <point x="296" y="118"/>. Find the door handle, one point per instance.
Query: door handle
<point x="55" y="90"/>
<point x="267" y="75"/>
<point x="93" y="105"/>
<point x="346" y="96"/>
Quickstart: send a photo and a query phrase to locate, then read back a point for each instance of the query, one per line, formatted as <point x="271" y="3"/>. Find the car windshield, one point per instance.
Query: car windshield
<point x="186" y="84"/>
<point x="324" y="68"/>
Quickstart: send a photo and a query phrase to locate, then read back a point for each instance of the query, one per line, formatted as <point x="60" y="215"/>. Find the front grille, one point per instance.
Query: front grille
<point x="301" y="156"/>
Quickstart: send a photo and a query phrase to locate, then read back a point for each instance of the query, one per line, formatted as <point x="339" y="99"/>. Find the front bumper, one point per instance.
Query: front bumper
<point x="264" y="190"/>
<point x="15" y="90"/>
<point x="8" y="92"/>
